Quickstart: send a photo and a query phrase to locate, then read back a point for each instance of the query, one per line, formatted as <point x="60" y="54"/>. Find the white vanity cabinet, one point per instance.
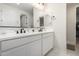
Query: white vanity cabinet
<point x="33" y="45"/>
<point x="31" y="49"/>
<point x="26" y="46"/>
<point x="35" y="48"/>
<point x="19" y="51"/>
<point x="47" y="42"/>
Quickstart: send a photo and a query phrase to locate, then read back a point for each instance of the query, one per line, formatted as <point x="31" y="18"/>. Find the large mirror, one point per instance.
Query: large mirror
<point x="16" y="15"/>
<point x="23" y="15"/>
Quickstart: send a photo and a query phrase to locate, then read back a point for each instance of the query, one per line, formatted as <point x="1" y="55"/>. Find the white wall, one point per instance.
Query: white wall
<point x="59" y="26"/>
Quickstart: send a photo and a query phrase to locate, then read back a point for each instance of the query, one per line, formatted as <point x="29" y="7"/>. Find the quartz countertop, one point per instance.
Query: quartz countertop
<point x="10" y="36"/>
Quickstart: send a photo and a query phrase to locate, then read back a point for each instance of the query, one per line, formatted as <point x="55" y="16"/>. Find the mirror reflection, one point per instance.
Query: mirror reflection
<point x="23" y="15"/>
<point x="16" y="15"/>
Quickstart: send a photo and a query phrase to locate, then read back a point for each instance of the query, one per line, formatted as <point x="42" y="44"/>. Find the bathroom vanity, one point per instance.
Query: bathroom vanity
<point x="20" y="17"/>
<point x="26" y="44"/>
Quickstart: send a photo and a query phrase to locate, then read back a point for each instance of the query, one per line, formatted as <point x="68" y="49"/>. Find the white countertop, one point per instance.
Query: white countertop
<point x="9" y="36"/>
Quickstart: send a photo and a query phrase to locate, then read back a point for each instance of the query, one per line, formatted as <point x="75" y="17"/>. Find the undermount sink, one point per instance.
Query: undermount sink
<point x="5" y="33"/>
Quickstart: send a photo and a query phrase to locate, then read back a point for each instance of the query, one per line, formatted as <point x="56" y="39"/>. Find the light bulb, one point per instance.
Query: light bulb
<point x="39" y="6"/>
<point x="18" y="3"/>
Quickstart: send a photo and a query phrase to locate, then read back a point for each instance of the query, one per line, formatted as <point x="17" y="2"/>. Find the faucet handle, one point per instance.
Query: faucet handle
<point x="17" y="31"/>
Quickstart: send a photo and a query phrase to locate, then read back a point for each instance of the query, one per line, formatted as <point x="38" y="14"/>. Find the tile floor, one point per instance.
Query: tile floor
<point x="54" y="52"/>
<point x="69" y="53"/>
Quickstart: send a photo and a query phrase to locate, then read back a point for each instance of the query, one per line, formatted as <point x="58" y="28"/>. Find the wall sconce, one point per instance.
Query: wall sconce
<point x="18" y="3"/>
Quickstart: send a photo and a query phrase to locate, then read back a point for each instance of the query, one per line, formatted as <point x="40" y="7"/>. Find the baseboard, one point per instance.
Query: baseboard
<point x="70" y="46"/>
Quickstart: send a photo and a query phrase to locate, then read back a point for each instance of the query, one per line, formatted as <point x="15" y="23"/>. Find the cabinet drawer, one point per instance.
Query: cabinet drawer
<point x="10" y="44"/>
<point x="30" y="39"/>
<point x="34" y="37"/>
<point x="20" y="51"/>
<point x="47" y="35"/>
<point x="17" y="42"/>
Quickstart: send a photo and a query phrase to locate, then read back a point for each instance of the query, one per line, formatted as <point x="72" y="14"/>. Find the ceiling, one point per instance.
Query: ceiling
<point x="25" y="6"/>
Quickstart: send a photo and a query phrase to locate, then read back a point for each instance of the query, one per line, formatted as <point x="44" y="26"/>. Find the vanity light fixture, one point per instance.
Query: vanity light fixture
<point x="18" y="3"/>
<point x="38" y="5"/>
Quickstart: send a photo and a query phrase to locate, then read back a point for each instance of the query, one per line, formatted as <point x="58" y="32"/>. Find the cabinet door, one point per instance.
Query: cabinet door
<point x="34" y="48"/>
<point x="19" y="51"/>
<point x="47" y="44"/>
